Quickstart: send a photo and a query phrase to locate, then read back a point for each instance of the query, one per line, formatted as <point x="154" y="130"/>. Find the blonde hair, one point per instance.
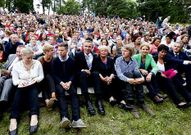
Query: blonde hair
<point x="129" y="47"/>
<point x="145" y="44"/>
<point x="47" y="47"/>
<point x="103" y="47"/>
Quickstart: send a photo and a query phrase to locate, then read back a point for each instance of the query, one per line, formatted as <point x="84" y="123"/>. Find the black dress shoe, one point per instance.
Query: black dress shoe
<point x="14" y="132"/>
<point x="33" y="129"/>
<point x="100" y="107"/>
<point x="113" y="102"/>
<point x="126" y="107"/>
<point x="90" y="108"/>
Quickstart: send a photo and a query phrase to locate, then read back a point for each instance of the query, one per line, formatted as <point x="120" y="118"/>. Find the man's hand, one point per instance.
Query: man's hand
<point x="66" y="85"/>
<point x="131" y="81"/>
<point x="87" y="71"/>
<point x="139" y="80"/>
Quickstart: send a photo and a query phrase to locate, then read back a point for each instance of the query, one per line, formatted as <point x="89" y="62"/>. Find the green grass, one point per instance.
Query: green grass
<point x="168" y="121"/>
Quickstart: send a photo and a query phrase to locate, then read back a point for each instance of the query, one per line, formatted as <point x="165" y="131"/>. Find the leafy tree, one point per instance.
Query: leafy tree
<point x="71" y="7"/>
<point x="177" y="9"/>
<point x="24" y="6"/>
<point x="2" y="2"/>
<point x="46" y="3"/>
<point x="122" y="8"/>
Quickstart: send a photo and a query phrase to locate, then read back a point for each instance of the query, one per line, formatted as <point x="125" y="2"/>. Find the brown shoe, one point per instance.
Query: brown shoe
<point x="147" y="109"/>
<point x="49" y="104"/>
<point x="135" y="113"/>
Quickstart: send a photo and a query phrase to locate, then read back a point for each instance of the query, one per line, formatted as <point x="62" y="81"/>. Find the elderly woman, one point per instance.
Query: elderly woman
<point x="47" y="85"/>
<point x="128" y="72"/>
<point x="105" y="67"/>
<point x="148" y="69"/>
<point x="25" y="75"/>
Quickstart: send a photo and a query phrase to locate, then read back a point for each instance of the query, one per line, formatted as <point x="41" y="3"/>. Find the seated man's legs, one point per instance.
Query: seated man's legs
<point x="7" y="88"/>
<point x="62" y="101"/>
<point x="84" y="80"/>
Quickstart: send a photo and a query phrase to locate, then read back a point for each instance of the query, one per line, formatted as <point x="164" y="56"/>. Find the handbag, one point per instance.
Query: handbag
<point x="170" y="73"/>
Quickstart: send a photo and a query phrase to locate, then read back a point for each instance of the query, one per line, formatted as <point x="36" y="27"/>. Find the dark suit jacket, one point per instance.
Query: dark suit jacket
<point x="63" y="71"/>
<point x="10" y="48"/>
<point x="104" y="69"/>
<point x="81" y="61"/>
<point x="177" y="62"/>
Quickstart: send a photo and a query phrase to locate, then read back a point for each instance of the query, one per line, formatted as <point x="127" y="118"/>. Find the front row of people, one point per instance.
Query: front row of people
<point x="120" y="81"/>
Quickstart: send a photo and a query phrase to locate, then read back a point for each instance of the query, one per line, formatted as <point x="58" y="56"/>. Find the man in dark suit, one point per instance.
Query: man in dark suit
<point x="85" y="61"/>
<point x="6" y="84"/>
<point x="181" y="62"/>
<point x="63" y="70"/>
<point x="11" y="45"/>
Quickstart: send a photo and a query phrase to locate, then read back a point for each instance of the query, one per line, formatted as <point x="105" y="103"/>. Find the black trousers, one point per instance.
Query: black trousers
<point x="168" y="85"/>
<point x="30" y="94"/>
<point x="63" y="104"/>
<point x="47" y="86"/>
<point x="86" y="80"/>
<point x="180" y="88"/>
<point x="152" y="86"/>
<point x="131" y="92"/>
<point x="111" y="90"/>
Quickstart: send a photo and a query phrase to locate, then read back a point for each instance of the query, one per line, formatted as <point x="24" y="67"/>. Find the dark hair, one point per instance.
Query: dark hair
<point x="135" y="36"/>
<point x="157" y="38"/>
<point x="105" y="40"/>
<point x="163" y="47"/>
<point x="65" y="45"/>
<point x="89" y="39"/>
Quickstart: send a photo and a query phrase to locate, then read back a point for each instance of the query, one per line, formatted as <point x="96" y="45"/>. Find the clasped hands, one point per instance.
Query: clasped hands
<point x="25" y="83"/>
<point x="107" y="79"/>
<point x="136" y="80"/>
<point x="66" y="85"/>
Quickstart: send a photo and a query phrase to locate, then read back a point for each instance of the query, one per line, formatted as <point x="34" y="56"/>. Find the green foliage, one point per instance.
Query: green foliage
<point x="71" y="7"/>
<point x="24" y="6"/>
<point x="121" y="8"/>
<point x="46" y="3"/>
<point x="177" y="9"/>
<point x="2" y="2"/>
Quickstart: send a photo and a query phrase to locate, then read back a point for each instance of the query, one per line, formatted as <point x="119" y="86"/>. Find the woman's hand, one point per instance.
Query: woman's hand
<point x="144" y="72"/>
<point x="23" y="84"/>
<point x="148" y="77"/>
<point x="163" y="75"/>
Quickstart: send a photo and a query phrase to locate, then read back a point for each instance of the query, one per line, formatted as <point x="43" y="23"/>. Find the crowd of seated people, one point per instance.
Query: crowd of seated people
<point x="117" y="57"/>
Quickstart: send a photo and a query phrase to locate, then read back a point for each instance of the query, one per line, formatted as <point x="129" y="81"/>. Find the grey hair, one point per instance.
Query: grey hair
<point x="26" y="51"/>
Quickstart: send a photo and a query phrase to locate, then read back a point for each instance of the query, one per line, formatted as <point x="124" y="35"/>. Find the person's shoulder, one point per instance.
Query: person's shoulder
<point x="12" y="56"/>
<point x="119" y="58"/>
<point x="36" y="62"/>
<point x="150" y="55"/>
